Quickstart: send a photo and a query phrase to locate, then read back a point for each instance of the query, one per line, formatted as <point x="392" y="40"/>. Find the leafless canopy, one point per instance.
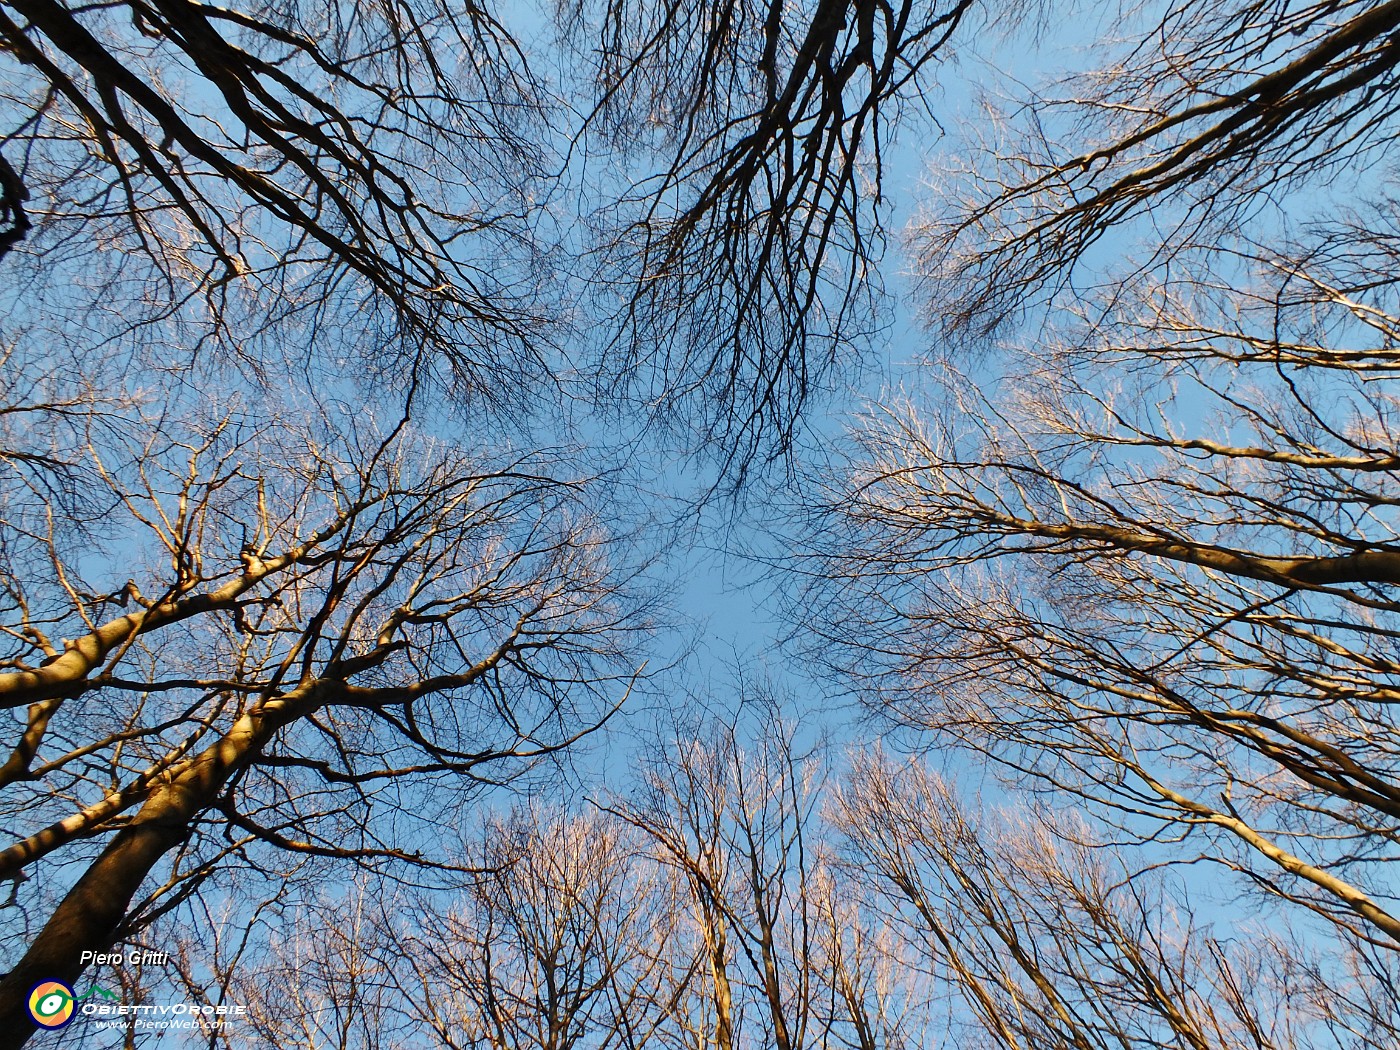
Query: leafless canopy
<point x="265" y="174"/>
<point x="703" y="913"/>
<point x="744" y="254"/>
<point x="254" y="166"/>
<point x="245" y="619"/>
<point x="1156" y="571"/>
<point x="1201" y="117"/>
<point x="321" y="653"/>
<point x="1142" y="554"/>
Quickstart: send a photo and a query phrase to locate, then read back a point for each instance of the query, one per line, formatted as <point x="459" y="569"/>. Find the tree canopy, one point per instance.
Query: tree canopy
<point x="336" y="341"/>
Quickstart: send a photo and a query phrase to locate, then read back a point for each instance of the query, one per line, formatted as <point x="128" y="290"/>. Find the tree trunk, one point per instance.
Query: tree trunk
<point x="91" y="913"/>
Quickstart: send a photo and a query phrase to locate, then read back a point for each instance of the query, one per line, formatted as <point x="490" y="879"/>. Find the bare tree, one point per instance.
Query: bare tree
<point x="1146" y="563"/>
<point x="1156" y="572"/>
<point x="1138" y="558"/>
<point x="247" y="638"/>
<point x="567" y="940"/>
<point x="567" y="936"/>
<point x="241" y="170"/>
<point x="744" y="251"/>
<point x="1043" y="943"/>
<point x="305" y="630"/>
<point x="342" y="643"/>
<point x="317" y="982"/>
<point x="591" y="931"/>
<point x="1193" y="121"/>
<point x="790" y="957"/>
<point x="256" y="177"/>
<point x="734" y="827"/>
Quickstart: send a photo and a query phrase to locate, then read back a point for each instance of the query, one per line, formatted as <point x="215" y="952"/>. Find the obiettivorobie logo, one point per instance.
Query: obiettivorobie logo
<point x="52" y="1004"/>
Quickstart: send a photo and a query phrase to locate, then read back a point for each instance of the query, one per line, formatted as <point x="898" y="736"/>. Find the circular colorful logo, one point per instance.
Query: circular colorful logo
<point x="51" y="1004"/>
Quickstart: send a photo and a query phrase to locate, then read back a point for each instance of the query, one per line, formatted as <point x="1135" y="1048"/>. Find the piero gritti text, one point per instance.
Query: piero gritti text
<point x="135" y="957"/>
